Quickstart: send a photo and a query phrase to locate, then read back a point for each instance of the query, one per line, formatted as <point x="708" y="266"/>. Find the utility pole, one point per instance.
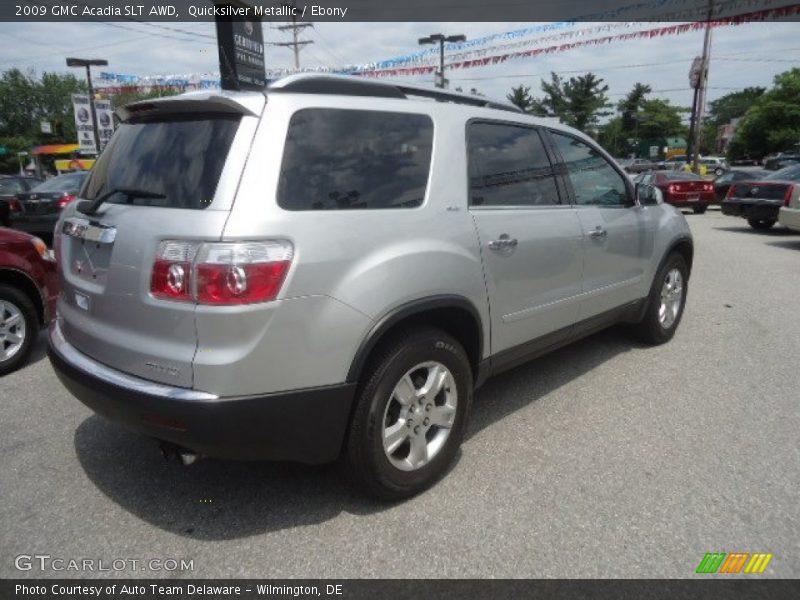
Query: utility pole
<point x="296" y="43"/>
<point x="701" y="90"/>
<point x="440" y="81"/>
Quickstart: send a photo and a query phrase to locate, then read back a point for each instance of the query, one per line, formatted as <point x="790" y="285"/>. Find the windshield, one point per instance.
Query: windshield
<point x="792" y="173"/>
<point x="64" y="183"/>
<point x="178" y="157"/>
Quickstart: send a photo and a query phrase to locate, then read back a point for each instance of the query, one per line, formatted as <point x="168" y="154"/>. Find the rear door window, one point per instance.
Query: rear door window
<point x="508" y="166"/>
<point x="336" y="159"/>
<point x="178" y="157"/>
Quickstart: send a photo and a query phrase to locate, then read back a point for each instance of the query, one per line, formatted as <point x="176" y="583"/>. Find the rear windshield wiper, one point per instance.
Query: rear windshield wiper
<point x="89" y="207"/>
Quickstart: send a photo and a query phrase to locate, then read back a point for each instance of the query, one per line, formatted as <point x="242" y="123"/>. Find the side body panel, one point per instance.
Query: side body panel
<point x="351" y="267"/>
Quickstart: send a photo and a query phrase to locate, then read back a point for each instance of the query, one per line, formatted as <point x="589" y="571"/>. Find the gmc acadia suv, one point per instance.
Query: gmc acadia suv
<point x="330" y="267"/>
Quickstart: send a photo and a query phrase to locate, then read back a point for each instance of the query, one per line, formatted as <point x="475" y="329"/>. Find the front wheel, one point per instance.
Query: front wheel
<point x="19" y="326"/>
<point x="761" y="224"/>
<point x="666" y="302"/>
<point x="410" y="414"/>
<point x="718" y="172"/>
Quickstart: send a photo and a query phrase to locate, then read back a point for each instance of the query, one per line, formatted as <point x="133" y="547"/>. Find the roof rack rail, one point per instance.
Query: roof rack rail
<point x="356" y="86"/>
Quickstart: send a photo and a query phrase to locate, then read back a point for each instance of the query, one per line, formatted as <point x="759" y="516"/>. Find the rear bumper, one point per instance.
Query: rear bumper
<point x="34" y="223"/>
<point x="306" y="425"/>
<point x="790" y="217"/>
<point x="766" y="210"/>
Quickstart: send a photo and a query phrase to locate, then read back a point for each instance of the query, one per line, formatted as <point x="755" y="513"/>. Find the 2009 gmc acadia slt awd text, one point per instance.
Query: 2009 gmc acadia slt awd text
<point x="330" y="267"/>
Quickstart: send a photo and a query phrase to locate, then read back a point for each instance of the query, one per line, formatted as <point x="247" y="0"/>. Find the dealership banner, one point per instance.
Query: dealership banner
<point x="83" y="123"/>
<point x="240" y="45"/>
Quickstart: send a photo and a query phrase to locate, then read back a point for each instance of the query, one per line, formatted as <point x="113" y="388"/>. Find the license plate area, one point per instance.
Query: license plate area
<point x="88" y="249"/>
<point x="692" y="198"/>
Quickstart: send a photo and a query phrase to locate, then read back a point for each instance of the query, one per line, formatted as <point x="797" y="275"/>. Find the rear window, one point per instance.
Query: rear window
<point x="179" y="157"/>
<point x="63" y="183"/>
<point x="337" y="159"/>
<point x="681" y="176"/>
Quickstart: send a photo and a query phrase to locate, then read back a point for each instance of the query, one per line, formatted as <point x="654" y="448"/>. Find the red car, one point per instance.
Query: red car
<point x="28" y="290"/>
<point x="681" y="189"/>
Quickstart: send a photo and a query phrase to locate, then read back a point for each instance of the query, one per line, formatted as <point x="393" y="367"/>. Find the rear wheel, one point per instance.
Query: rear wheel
<point x="761" y="223"/>
<point x="666" y="302"/>
<point x="410" y="414"/>
<point x="699" y="210"/>
<point x="718" y="172"/>
<point x="19" y="326"/>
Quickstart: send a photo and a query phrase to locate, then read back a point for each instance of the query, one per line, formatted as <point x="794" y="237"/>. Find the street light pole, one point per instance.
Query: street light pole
<point x="88" y="63"/>
<point x="441" y="39"/>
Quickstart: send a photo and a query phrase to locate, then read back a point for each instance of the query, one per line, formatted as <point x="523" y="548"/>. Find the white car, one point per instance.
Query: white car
<point x="789" y="216"/>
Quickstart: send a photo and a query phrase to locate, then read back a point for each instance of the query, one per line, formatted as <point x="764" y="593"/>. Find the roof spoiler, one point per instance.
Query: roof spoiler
<point x="182" y="105"/>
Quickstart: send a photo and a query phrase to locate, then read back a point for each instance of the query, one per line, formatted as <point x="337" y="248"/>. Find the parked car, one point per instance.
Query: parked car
<point x="760" y="201"/>
<point x="639" y="165"/>
<point x="724" y="181"/>
<point x="320" y="287"/>
<point x="779" y="161"/>
<point x="789" y="216"/>
<point x="681" y="189"/>
<point x="10" y="186"/>
<point x="28" y="290"/>
<point x="715" y="164"/>
<point x="38" y="209"/>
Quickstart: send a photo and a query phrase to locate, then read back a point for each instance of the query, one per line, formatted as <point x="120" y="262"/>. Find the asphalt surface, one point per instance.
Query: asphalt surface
<point x="605" y="459"/>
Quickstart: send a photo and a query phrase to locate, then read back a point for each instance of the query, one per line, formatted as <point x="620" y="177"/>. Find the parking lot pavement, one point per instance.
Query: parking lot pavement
<point x="605" y="459"/>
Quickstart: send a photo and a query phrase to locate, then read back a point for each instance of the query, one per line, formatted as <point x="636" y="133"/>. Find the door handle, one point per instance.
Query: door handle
<point x="503" y="242"/>
<point x="598" y="233"/>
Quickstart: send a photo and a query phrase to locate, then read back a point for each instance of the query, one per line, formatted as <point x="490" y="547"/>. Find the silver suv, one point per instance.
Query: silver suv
<point x="330" y="268"/>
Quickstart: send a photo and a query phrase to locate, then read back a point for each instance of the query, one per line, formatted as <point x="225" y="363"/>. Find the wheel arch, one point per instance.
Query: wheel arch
<point x="683" y="246"/>
<point x="454" y="314"/>
<point x="23" y="282"/>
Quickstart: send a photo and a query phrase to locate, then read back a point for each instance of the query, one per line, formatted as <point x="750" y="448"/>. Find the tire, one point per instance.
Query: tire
<point x="761" y="224"/>
<point x="699" y="210"/>
<point x="16" y="305"/>
<point x="656" y="328"/>
<point x="415" y="357"/>
<point x="718" y="172"/>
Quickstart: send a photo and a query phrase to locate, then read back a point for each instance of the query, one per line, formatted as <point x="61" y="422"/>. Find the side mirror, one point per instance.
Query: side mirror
<point x="648" y="195"/>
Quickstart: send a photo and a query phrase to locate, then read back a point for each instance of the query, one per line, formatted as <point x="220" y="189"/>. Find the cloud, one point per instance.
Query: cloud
<point x="742" y="56"/>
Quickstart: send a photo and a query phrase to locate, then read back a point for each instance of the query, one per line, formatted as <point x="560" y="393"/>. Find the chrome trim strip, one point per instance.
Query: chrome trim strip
<point x="111" y="376"/>
<point x="83" y="229"/>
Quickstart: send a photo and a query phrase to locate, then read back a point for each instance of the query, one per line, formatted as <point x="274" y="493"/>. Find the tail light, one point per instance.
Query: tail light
<point x="708" y="187"/>
<point x="221" y="273"/>
<point x="730" y="191"/>
<point x="787" y="198"/>
<point x="672" y="188"/>
<point x="66" y="199"/>
<point x="14" y="205"/>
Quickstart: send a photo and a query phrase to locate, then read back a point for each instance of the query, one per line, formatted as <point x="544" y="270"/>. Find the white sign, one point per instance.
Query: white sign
<point x="83" y="123"/>
<point x="46" y="127"/>
<point x="694" y="71"/>
<point x="105" y="121"/>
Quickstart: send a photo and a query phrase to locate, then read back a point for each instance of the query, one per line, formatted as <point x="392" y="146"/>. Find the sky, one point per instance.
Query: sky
<point x="742" y="56"/>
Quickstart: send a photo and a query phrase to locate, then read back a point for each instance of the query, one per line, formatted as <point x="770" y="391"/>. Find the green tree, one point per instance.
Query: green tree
<point x="26" y="99"/>
<point x="579" y="102"/>
<point x="772" y="123"/>
<point x="520" y="96"/>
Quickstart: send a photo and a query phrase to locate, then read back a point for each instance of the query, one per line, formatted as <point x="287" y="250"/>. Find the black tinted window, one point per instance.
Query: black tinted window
<point x="594" y="180"/>
<point x="348" y="159"/>
<point x="179" y="158"/>
<point x="508" y="166"/>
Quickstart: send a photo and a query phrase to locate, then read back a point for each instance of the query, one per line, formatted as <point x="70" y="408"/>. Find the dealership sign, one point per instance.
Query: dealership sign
<point x="83" y="122"/>
<point x="84" y="125"/>
<point x="240" y="42"/>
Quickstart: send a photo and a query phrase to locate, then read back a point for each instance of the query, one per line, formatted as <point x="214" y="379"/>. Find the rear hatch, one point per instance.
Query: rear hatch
<point x="179" y="162"/>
